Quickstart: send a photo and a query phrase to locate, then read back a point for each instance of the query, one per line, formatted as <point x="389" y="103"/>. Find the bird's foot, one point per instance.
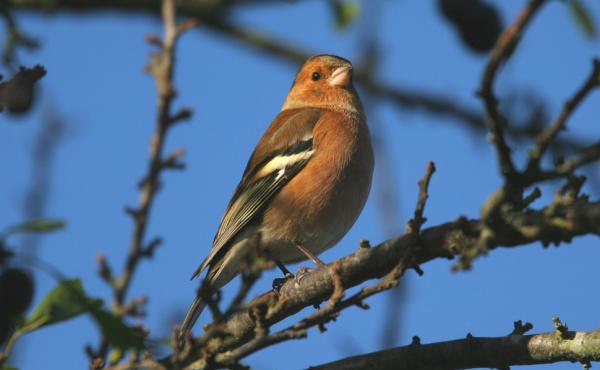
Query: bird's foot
<point x="278" y="283"/>
<point x="304" y="271"/>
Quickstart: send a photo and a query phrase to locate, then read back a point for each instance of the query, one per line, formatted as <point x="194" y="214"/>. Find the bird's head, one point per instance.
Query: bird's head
<point x="324" y="81"/>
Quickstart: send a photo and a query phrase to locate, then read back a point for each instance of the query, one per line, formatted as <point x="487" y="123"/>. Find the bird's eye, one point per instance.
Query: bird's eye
<point x="316" y="76"/>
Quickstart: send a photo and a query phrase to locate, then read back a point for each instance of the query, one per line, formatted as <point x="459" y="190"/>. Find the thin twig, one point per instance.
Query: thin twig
<point x="163" y="72"/>
<point x="588" y="155"/>
<point x="414" y="224"/>
<point x="145" y="364"/>
<point x="15" y="38"/>
<point x="319" y="318"/>
<point x="43" y="155"/>
<point x="162" y="69"/>
<point x="500" y="54"/>
<point x="546" y="137"/>
<point x="258" y="343"/>
<point x="4" y="355"/>
<point x="512" y="189"/>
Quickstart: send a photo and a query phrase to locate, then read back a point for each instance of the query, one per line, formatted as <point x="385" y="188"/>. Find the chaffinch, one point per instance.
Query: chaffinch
<point x="305" y="183"/>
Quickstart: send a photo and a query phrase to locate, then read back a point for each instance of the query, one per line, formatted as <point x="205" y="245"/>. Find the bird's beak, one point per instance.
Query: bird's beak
<point x="341" y="76"/>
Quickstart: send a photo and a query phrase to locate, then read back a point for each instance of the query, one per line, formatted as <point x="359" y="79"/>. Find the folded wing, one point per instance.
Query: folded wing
<point x="283" y="151"/>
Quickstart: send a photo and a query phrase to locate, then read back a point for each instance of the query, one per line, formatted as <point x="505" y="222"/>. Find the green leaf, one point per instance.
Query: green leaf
<point x="69" y="300"/>
<point x="584" y="18"/>
<point x="115" y="355"/>
<point x="118" y="334"/>
<point x="7" y="367"/>
<point x="64" y="302"/>
<point x="346" y="12"/>
<point x="42" y="225"/>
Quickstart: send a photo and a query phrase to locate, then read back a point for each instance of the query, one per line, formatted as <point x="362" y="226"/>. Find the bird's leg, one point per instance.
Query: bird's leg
<point x="278" y="282"/>
<point x="308" y="253"/>
<point x="313" y="257"/>
<point x="284" y="269"/>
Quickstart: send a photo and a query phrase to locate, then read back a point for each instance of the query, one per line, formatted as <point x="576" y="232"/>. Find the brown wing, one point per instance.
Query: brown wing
<point x="281" y="153"/>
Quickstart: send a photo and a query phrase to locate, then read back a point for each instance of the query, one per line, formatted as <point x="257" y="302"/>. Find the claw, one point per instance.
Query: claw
<point x="304" y="271"/>
<point x="278" y="283"/>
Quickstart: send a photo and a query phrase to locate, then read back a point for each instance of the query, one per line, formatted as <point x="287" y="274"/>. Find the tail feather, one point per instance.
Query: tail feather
<point x="191" y="317"/>
<point x="219" y="274"/>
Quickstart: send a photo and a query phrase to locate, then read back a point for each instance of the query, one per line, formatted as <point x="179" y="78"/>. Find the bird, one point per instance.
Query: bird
<point x="304" y="185"/>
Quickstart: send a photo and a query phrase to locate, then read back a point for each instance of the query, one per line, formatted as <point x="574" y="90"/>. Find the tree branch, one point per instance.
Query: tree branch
<point x="161" y="67"/>
<point x="15" y="38"/>
<point x="549" y="134"/>
<point x="479" y="352"/>
<point x="569" y="220"/>
<point x="240" y="335"/>
<point x="495" y="121"/>
<point x="414" y="224"/>
<point x="586" y="156"/>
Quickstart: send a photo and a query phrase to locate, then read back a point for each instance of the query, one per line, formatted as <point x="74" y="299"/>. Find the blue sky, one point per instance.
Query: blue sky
<point x="96" y="81"/>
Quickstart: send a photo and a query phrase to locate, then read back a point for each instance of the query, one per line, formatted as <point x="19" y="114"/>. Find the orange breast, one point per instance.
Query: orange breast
<point x="322" y="202"/>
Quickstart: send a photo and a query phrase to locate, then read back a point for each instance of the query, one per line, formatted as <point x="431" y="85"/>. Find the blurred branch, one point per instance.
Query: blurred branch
<point x="161" y="67"/>
<point x="15" y="38"/>
<point x="480" y="352"/>
<point x="587" y="155"/>
<point x="390" y="222"/>
<point x="385" y="187"/>
<point x="428" y="102"/>
<point x="36" y="196"/>
<point x="213" y="15"/>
